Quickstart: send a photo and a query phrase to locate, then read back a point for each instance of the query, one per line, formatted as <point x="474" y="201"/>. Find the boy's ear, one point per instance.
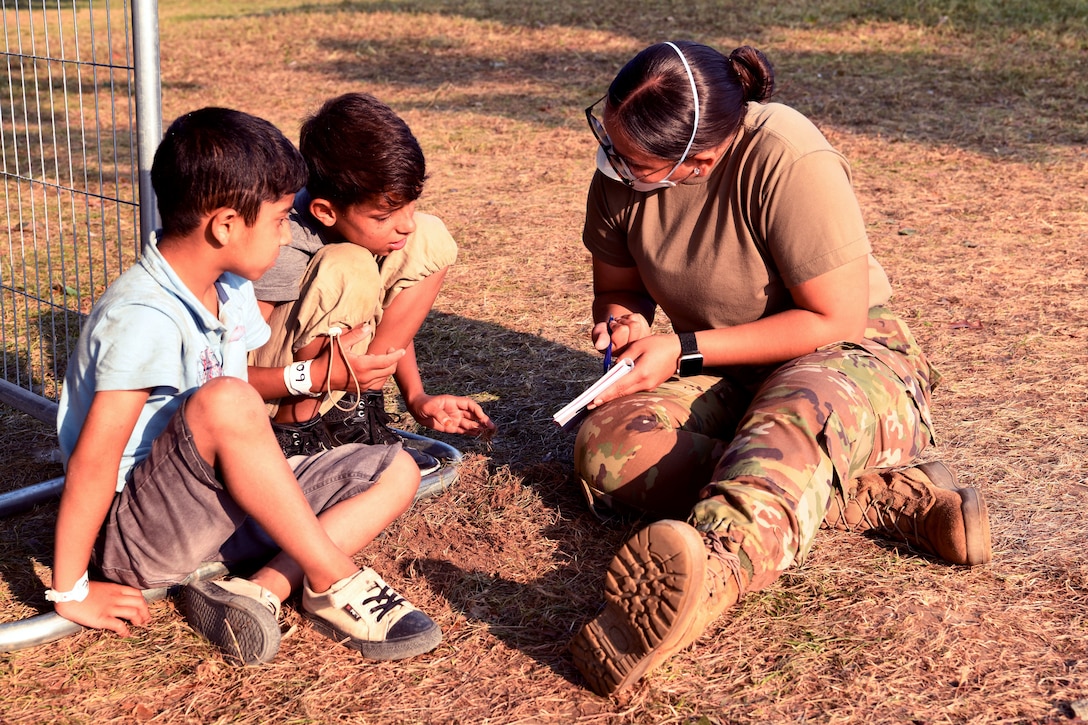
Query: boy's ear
<point x="324" y="211"/>
<point x="222" y="223"/>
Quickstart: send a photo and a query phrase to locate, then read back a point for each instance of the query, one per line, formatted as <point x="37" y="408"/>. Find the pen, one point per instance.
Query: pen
<point x="608" y="350"/>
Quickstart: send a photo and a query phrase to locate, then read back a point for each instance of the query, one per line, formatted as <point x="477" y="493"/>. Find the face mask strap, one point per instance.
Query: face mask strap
<point x="695" y="96"/>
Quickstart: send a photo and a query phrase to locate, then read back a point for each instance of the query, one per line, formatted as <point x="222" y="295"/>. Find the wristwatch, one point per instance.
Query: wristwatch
<point x="691" y="360"/>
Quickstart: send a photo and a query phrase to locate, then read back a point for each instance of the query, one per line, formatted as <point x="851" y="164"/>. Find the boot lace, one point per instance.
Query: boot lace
<point x="716" y="548"/>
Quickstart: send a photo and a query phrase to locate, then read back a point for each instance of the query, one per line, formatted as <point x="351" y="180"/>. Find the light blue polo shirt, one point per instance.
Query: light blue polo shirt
<point x="148" y="330"/>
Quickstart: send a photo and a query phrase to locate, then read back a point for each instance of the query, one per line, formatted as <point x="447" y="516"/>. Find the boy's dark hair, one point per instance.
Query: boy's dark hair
<point x="215" y="158"/>
<point x="358" y="150"/>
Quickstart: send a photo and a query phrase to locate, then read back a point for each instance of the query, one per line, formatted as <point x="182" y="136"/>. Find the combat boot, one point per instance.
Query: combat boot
<point x="662" y="589"/>
<point x="921" y="506"/>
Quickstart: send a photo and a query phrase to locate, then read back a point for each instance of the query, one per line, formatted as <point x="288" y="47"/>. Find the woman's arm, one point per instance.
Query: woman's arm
<point x="830" y="308"/>
<point x="619" y="295"/>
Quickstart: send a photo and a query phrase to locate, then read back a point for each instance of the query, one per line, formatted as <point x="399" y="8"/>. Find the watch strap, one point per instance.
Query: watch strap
<point x="688" y="344"/>
<point x="691" y="360"/>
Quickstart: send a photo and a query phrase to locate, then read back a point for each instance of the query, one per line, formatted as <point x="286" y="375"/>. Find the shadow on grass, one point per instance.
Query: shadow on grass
<point x="520" y="379"/>
<point x="649" y="19"/>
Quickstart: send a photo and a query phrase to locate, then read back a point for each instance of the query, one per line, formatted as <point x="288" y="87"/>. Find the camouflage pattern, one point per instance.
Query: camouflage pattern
<point x="772" y="446"/>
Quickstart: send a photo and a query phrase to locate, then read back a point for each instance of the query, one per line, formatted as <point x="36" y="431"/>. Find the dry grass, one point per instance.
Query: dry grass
<point x="967" y="138"/>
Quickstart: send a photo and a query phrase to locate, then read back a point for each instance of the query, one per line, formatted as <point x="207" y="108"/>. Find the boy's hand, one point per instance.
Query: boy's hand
<point x="370" y="370"/>
<point x="107" y="606"/>
<point x="451" y="414"/>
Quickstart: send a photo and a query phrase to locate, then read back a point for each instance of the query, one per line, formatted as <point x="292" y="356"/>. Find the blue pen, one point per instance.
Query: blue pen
<point x="608" y="350"/>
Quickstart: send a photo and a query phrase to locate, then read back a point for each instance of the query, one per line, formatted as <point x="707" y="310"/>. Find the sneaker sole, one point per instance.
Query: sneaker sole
<point x="651" y="597"/>
<point x="397" y="649"/>
<point x="241" y="627"/>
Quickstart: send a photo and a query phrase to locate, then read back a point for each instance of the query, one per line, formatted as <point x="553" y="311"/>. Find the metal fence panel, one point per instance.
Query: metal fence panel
<point x="75" y="159"/>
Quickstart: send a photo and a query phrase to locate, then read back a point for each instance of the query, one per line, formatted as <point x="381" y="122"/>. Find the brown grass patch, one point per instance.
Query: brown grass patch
<point x="967" y="141"/>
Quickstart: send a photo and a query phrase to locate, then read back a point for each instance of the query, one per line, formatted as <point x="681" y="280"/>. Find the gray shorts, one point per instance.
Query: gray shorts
<point x="174" y="514"/>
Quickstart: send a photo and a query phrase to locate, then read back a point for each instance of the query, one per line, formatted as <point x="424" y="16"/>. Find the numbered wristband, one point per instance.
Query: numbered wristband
<point x="78" y="593"/>
<point x="296" y="377"/>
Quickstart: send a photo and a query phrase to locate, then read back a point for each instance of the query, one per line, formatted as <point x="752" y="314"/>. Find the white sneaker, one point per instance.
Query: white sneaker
<point x="364" y="613"/>
<point x="237" y="616"/>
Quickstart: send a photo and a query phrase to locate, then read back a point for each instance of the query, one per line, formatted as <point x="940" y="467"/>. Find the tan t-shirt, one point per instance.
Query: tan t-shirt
<point x="777" y="210"/>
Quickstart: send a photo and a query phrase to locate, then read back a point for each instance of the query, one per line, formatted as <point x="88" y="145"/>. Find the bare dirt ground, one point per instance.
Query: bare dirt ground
<point x="967" y="141"/>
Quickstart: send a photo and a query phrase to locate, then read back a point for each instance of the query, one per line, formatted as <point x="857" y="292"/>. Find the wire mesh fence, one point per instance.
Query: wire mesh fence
<point x="72" y="174"/>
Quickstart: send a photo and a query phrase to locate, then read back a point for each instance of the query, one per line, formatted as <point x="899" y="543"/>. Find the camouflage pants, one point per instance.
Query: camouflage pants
<point x="776" y="445"/>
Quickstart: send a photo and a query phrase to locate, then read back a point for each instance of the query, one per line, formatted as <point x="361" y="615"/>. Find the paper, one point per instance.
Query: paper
<point x="575" y="410"/>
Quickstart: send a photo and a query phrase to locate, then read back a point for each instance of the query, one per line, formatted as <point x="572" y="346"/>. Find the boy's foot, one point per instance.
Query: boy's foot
<point x="368" y="422"/>
<point x="302" y="439"/>
<point x="364" y="613"/>
<point x="312" y="437"/>
<point x="663" y="587"/>
<point x="365" y="422"/>
<point x="237" y="616"/>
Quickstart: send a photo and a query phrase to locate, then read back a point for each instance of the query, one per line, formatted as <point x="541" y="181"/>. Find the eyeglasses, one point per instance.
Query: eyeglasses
<point x="617" y="162"/>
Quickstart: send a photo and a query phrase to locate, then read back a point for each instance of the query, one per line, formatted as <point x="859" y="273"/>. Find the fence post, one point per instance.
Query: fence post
<point x="145" y="31"/>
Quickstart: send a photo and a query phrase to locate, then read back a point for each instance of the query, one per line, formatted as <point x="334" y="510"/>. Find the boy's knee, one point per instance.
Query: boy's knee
<point x="225" y="400"/>
<point x="403" y="474"/>
<point x="348" y="264"/>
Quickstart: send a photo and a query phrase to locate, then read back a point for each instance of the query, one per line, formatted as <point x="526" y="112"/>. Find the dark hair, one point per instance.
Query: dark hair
<point x="651" y="101"/>
<point x="359" y="150"/>
<point x="215" y="158"/>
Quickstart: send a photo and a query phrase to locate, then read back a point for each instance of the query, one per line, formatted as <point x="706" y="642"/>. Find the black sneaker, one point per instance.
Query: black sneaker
<point x="368" y="422"/>
<point x="302" y="439"/>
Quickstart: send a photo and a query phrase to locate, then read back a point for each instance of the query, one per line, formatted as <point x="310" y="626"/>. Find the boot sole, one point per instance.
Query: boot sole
<point x="652" y="590"/>
<point x="390" y="649"/>
<point x="976" y="520"/>
<point x="976" y="516"/>
<point x="241" y="627"/>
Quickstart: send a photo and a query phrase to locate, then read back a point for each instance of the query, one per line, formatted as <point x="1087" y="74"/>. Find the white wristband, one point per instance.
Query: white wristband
<point x="296" y="377"/>
<point x="78" y="593"/>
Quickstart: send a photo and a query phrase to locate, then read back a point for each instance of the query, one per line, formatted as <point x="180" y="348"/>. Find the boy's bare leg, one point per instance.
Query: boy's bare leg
<point x="351" y="524"/>
<point x="231" y="430"/>
<point x="404" y="316"/>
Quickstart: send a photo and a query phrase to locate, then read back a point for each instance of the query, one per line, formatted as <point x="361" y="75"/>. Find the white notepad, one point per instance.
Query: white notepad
<point x="575" y="410"/>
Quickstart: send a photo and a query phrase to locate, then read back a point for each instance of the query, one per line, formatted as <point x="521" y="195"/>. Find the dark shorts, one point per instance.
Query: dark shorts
<point x="174" y="514"/>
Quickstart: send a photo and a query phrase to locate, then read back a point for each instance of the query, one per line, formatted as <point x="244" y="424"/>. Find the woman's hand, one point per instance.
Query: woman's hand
<point x="451" y="414"/>
<point x="620" y="331"/>
<point x="107" y="606"/>
<point x="655" y="362"/>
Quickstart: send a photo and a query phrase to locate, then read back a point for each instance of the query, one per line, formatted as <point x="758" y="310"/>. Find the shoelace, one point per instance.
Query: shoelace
<point x="334" y="337"/>
<point x="385" y="601"/>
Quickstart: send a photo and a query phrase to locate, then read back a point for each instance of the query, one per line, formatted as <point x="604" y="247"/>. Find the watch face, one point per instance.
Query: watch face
<point x="691" y="364"/>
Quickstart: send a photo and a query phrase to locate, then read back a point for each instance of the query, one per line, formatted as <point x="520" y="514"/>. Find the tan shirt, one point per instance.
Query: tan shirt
<point x="777" y="210"/>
